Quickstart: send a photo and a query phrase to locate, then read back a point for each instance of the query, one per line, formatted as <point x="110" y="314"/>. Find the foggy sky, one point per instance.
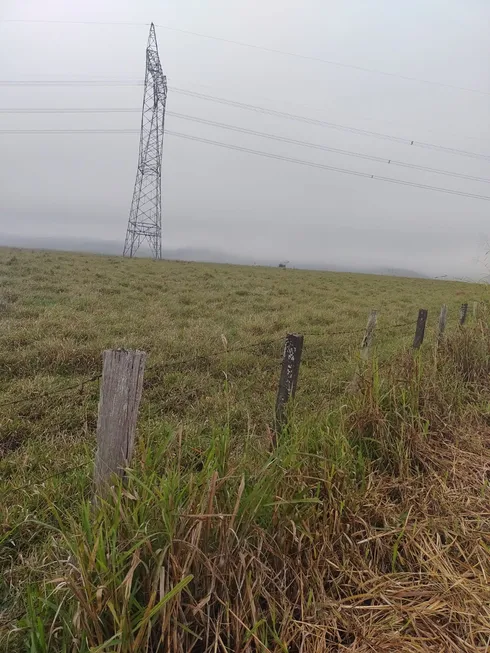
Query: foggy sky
<point x="81" y="185"/>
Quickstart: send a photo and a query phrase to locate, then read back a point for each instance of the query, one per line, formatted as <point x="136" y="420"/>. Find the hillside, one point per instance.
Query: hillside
<point x="193" y="254"/>
<point x="363" y="526"/>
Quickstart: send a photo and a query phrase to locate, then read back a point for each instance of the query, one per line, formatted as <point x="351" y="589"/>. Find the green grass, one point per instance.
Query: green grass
<point x="365" y="528"/>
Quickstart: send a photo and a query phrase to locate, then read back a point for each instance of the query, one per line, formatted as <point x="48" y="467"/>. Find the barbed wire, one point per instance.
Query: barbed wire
<point x="58" y="391"/>
<point x="42" y="480"/>
<point x="398" y="326"/>
<point x="185" y="361"/>
<point x="376" y="363"/>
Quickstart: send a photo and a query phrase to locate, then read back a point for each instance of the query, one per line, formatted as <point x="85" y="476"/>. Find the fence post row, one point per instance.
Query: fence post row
<point x="420" y="329"/>
<point x="288" y="380"/>
<point x="442" y="323"/>
<point x="462" y="313"/>
<point x="120" y="395"/>
<point x="122" y="385"/>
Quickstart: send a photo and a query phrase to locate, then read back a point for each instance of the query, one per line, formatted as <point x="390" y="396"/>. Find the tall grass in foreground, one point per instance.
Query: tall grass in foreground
<point x="366" y="528"/>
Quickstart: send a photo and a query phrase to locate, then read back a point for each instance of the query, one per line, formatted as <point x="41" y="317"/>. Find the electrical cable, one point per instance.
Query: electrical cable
<point x="269" y="155"/>
<point x="330" y="125"/>
<point x="261" y="48"/>
<point x="252" y="132"/>
<point x="259" y="109"/>
<point x="278" y="157"/>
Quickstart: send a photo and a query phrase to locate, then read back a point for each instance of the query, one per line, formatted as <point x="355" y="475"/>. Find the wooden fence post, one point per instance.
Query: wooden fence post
<point x="120" y="395"/>
<point x="420" y="329"/>
<point x="442" y="323"/>
<point x="368" y="336"/>
<point x="475" y="311"/>
<point x="462" y="313"/>
<point x="365" y="348"/>
<point x="289" y="375"/>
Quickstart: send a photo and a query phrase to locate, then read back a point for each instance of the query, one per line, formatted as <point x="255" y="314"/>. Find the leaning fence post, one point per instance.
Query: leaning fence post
<point x="120" y="395"/>
<point x="366" y="342"/>
<point x="420" y="329"/>
<point x="462" y="313"/>
<point x="442" y="323"/>
<point x="289" y="375"/>
<point x="368" y="336"/>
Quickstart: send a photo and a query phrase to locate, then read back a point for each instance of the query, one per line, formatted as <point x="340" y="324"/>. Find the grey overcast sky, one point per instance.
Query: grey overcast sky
<point x="81" y="185"/>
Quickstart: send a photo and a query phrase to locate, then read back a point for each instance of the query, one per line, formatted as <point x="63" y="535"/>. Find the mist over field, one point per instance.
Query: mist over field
<point x="342" y="251"/>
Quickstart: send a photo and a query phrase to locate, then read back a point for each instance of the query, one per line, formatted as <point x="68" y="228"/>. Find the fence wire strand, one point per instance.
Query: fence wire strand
<point x="42" y="480"/>
<point x="185" y="361"/>
<point x="96" y="377"/>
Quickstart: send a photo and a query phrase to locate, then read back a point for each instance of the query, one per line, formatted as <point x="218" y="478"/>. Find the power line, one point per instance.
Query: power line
<point x="304" y="57"/>
<point x="331" y="125"/>
<point x="326" y="148"/>
<point x="302" y="106"/>
<point x="17" y="110"/>
<point x="331" y="62"/>
<point x="257" y="109"/>
<point x="70" y="131"/>
<point x="332" y="168"/>
<point x="72" y="82"/>
<point x="252" y="132"/>
<point x="268" y="155"/>
<point x="78" y="22"/>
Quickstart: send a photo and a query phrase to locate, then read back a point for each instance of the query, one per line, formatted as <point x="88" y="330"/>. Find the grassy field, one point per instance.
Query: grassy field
<point x="366" y="528"/>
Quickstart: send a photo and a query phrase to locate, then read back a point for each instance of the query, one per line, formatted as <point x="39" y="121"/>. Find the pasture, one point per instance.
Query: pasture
<point x="363" y="526"/>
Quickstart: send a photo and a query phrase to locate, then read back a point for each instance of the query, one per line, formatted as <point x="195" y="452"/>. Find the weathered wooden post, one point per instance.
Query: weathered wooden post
<point x="475" y="311"/>
<point x="288" y="380"/>
<point x="366" y="343"/>
<point x="120" y="395"/>
<point x="463" y="311"/>
<point x="420" y="329"/>
<point x="442" y="324"/>
<point x="369" y="334"/>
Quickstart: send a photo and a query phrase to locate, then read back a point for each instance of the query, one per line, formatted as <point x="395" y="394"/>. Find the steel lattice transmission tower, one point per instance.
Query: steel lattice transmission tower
<point x="145" y="218"/>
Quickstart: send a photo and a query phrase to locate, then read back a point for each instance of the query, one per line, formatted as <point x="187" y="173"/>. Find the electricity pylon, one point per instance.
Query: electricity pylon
<point x="145" y="217"/>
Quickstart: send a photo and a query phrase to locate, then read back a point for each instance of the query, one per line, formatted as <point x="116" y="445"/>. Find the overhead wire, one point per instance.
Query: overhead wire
<point x="258" y="109"/>
<point x="252" y="132"/>
<point x="330" y="62"/>
<point x="330" y="125"/>
<point x="71" y="82"/>
<point x="268" y="155"/>
<point x="322" y="166"/>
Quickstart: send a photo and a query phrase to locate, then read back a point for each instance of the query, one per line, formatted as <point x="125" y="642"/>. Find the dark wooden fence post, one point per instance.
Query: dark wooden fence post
<point x="120" y="395"/>
<point x="420" y="329"/>
<point x="368" y="336"/>
<point x="442" y="324"/>
<point x="289" y="375"/>
<point x="463" y="311"/>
